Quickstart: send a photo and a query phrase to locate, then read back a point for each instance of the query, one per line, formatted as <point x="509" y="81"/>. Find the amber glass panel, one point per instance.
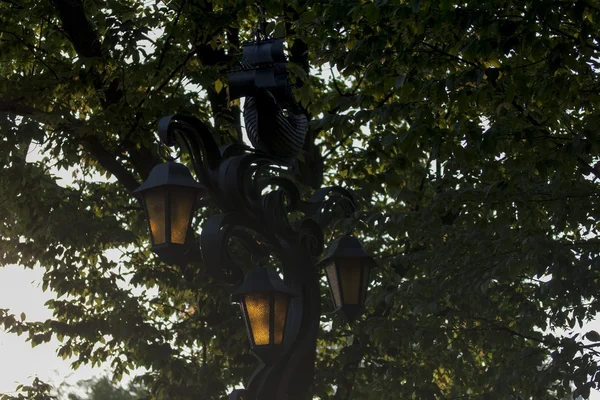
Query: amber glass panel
<point x="334" y="284"/>
<point x="350" y="274"/>
<point x="281" y="308"/>
<point x="155" y="204"/>
<point x="182" y="203"/>
<point x="258" y="309"/>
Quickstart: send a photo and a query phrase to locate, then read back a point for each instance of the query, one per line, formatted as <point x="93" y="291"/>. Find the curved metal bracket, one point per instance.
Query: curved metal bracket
<point x="197" y="139"/>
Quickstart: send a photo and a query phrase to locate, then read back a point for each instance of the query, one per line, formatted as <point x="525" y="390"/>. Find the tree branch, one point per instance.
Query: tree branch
<point x="90" y="141"/>
<point x="19" y="109"/>
<point x="459" y="59"/>
<point x="86" y="42"/>
<point x="82" y="35"/>
<point x="20" y="7"/>
<point x="110" y="162"/>
<point x="167" y="45"/>
<point x="32" y="48"/>
<point x="588" y="169"/>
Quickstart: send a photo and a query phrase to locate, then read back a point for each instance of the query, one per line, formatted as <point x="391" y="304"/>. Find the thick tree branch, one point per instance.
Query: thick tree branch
<point x="19" y="109"/>
<point x="82" y="35"/>
<point x="86" y="42"/>
<point x="90" y="141"/>
<point x="110" y="163"/>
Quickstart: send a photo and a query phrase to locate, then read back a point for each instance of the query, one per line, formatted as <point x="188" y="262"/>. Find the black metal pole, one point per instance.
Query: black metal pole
<point x="291" y="378"/>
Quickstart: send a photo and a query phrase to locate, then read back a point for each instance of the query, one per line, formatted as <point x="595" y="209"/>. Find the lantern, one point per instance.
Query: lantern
<point x="169" y="197"/>
<point x="347" y="266"/>
<point x="264" y="300"/>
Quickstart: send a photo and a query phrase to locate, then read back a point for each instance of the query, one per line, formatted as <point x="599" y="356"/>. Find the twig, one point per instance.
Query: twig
<point x="337" y="88"/>
<point x="362" y="76"/>
<point x="460" y="59"/>
<point x="167" y="41"/>
<point x="31" y="49"/>
<point x="20" y="7"/>
<point x="138" y="114"/>
<point x="178" y="85"/>
<point x="557" y="30"/>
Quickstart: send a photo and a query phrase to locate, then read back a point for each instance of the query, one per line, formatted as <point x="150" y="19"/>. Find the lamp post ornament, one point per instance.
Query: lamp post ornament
<point x="255" y="196"/>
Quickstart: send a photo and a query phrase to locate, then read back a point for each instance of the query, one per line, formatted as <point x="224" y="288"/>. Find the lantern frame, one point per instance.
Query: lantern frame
<point x="261" y="280"/>
<point x="166" y="177"/>
<point x="343" y="250"/>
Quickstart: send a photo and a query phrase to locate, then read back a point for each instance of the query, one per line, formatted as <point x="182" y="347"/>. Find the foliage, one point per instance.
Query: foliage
<point x="38" y="390"/>
<point x="469" y="130"/>
<point x="103" y="389"/>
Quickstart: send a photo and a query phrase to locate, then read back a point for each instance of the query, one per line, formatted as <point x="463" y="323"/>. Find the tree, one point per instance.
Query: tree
<point x="468" y="130"/>
<point x="103" y="389"/>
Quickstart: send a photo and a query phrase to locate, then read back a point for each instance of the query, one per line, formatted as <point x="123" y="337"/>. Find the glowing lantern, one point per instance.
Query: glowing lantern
<point x="169" y="197"/>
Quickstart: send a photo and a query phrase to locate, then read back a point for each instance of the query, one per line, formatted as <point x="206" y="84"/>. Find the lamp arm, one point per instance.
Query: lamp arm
<point x="217" y="233"/>
<point x="325" y="201"/>
<point x="197" y="140"/>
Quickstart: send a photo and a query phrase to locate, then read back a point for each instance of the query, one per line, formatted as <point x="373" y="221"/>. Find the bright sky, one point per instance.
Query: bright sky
<point x="20" y="291"/>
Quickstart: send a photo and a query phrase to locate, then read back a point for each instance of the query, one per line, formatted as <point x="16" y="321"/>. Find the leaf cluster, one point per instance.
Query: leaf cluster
<point x="468" y="131"/>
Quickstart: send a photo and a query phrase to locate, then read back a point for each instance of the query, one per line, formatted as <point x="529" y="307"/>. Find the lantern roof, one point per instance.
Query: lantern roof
<point x="169" y="173"/>
<point x="346" y="247"/>
<point x="261" y="279"/>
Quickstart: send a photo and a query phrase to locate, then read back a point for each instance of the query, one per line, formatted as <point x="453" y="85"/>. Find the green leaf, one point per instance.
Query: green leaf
<point x="593" y="336"/>
<point x="218" y="86"/>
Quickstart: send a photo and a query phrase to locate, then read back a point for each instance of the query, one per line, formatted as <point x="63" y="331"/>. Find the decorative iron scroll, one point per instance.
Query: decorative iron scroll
<point x="275" y="123"/>
<point x="238" y="179"/>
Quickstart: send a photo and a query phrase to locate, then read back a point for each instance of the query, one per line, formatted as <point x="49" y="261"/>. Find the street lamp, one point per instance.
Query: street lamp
<point x="169" y="198"/>
<point x="256" y="194"/>
<point x="264" y="300"/>
<point x="347" y="266"/>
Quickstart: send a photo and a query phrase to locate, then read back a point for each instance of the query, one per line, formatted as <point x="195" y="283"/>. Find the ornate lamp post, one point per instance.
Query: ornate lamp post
<point x="250" y="187"/>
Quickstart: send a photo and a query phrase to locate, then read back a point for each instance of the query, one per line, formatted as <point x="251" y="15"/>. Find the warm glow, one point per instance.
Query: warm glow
<point x="182" y="202"/>
<point x="258" y="309"/>
<point x="155" y="204"/>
